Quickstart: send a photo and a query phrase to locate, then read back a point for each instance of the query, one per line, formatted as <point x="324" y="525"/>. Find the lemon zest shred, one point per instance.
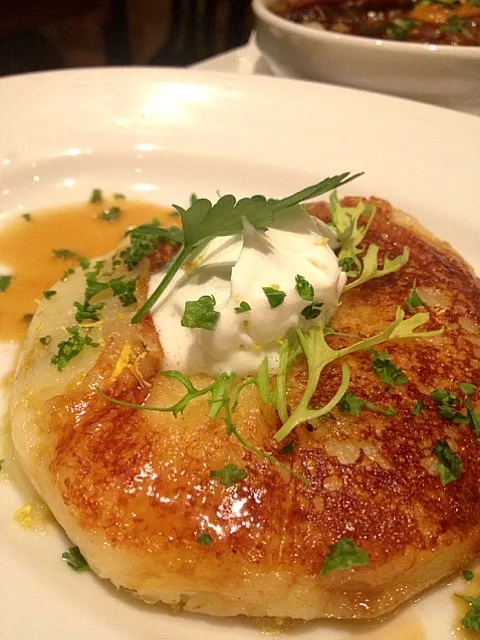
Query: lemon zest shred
<point x="89" y="325"/>
<point x="122" y="361"/>
<point x="136" y="371"/>
<point x="23" y="516"/>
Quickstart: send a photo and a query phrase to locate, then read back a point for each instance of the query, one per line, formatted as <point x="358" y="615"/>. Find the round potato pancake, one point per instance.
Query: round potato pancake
<point x="134" y="489"/>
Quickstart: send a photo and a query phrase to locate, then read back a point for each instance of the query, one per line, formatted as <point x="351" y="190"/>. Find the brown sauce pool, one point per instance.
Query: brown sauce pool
<point x="450" y="22"/>
<point x="27" y="249"/>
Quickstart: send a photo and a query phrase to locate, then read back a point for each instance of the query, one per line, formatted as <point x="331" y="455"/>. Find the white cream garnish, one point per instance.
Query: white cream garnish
<point x="234" y="270"/>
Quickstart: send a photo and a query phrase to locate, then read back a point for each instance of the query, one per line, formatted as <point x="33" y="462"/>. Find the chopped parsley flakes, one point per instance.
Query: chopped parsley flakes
<point x="64" y="254"/>
<point x="312" y="311"/>
<point x="450" y="466"/>
<point x="304" y="288"/>
<point x="418" y="407"/>
<point x="96" y="197"/>
<point x="386" y="370"/>
<point x="5" y="282"/>
<point x="243" y="307"/>
<point x="75" y="560"/>
<point x="229" y="475"/>
<point x="413" y="301"/>
<point x="343" y="555"/>
<point x="200" y="314"/>
<point x="205" y="539"/>
<point x="288" y="449"/>
<point x="350" y="403"/>
<point x="275" y="296"/>
<point x="112" y="213"/>
<point x="471" y="620"/>
<point x="68" y="349"/>
<point x="145" y="239"/>
<point x="49" y="294"/>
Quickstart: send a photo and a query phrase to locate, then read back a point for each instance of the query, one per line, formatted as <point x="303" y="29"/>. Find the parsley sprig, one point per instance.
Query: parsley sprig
<point x="203" y="221"/>
<point x="352" y="225"/>
<point x="319" y="354"/>
<point x="471" y="620"/>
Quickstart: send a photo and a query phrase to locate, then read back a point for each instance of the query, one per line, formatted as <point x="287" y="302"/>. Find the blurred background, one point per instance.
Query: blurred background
<point x="37" y="35"/>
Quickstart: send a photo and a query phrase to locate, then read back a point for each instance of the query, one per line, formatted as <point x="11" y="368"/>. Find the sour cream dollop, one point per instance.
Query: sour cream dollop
<point x="236" y="269"/>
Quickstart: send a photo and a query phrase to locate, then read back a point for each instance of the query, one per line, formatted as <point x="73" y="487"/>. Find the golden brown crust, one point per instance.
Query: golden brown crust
<point x="140" y="481"/>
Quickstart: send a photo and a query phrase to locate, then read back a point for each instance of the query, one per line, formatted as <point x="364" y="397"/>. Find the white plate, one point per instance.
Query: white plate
<point x="161" y="134"/>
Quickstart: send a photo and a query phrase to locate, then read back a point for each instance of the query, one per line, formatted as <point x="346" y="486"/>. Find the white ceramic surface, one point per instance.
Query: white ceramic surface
<point x="161" y="134"/>
<point x="443" y="75"/>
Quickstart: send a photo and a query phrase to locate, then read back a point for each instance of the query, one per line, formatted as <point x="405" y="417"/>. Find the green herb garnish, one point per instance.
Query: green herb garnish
<point x="68" y="349"/>
<point x="418" y="407"/>
<point x="75" y="560"/>
<point x="200" y="314"/>
<point x="288" y="449"/>
<point x="229" y="475"/>
<point x="471" y="620"/>
<point x="347" y="264"/>
<point x="467" y="388"/>
<point x="304" y="288"/>
<point x="45" y="340"/>
<point x="27" y="217"/>
<point x="243" y="307"/>
<point x="27" y="317"/>
<point x="5" y="282"/>
<point x="112" y="213"/>
<point x="386" y="370"/>
<point x="351" y="233"/>
<point x="64" y="254"/>
<point x="312" y="311"/>
<point x="413" y="301"/>
<point x="203" y="221"/>
<point x="119" y="196"/>
<point x="319" y="354"/>
<point x="275" y="296"/>
<point x="123" y="289"/>
<point x="205" y="539"/>
<point x="145" y="239"/>
<point x="350" y="403"/>
<point x="457" y="25"/>
<point x="66" y="274"/>
<point x="49" y="294"/>
<point x="399" y="28"/>
<point x="468" y="575"/>
<point x="343" y="555"/>
<point x="447" y="402"/>
<point x="450" y="465"/>
<point x="96" y="196"/>
<point x="88" y="312"/>
<point x="1" y="464"/>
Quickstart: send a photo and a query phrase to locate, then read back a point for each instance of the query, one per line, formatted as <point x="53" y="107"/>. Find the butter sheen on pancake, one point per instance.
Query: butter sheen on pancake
<point x="133" y="489"/>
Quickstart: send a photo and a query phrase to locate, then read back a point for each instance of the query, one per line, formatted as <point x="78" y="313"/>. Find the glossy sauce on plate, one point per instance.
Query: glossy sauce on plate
<point x="27" y="249"/>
